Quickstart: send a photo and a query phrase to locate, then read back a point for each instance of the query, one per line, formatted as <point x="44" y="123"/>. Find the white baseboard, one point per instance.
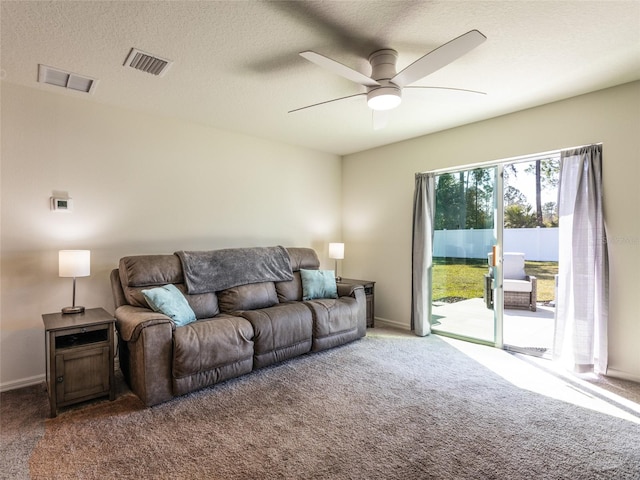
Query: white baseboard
<point x="612" y="372"/>
<point x="384" y="322"/>
<point x="23" y="382"/>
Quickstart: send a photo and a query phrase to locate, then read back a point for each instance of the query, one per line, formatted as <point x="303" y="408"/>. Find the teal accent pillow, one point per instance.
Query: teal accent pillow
<point x="171" y="302"/>
<point x="318" y="284"/>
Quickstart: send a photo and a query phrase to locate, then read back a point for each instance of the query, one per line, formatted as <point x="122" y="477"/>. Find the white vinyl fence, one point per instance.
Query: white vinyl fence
<point x="539" y="244"/>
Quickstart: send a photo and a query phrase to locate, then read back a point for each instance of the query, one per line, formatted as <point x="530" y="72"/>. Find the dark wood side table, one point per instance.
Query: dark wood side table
<point x="79" y="351"/>
<point x="369" y="290"/>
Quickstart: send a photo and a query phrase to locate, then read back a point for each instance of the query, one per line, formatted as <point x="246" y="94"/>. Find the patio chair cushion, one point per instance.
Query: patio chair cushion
<point x="517" y="286"/>
<point x="512" y="265"/>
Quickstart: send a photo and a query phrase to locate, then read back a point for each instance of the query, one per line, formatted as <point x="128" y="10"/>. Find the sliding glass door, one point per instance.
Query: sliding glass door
<point x="530" y="258"/>
<point x="464" y="235"/>
<point x="495" y="254"/>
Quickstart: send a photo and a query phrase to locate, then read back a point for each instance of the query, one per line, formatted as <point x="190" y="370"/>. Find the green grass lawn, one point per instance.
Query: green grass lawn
<point x="458" y="278"/>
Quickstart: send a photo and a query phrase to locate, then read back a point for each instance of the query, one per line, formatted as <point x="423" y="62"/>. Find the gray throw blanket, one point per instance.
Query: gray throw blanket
<point x="216" y="270"/>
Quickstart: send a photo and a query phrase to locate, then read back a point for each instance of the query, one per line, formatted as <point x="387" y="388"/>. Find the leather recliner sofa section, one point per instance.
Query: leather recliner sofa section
<point x="238" y="329"/>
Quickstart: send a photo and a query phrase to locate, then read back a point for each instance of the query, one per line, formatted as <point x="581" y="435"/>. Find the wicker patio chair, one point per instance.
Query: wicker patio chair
<point x="520" y="289"/>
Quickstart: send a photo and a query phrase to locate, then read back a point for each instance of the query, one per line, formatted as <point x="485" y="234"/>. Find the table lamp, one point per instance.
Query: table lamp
<point x="336" y="251"/>
<point x="74" y="263"/>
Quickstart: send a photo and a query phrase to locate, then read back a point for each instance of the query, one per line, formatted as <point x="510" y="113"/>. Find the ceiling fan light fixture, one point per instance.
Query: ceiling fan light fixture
<point x="385" y="98"/>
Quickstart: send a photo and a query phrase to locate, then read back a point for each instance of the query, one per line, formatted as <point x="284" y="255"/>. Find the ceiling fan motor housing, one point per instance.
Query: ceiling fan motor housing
<point x="383" y="64"/>
<point x="383" y="69"/>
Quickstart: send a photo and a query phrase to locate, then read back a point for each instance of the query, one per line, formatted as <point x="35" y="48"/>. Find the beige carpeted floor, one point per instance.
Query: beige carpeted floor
<point x="390" y="406"/>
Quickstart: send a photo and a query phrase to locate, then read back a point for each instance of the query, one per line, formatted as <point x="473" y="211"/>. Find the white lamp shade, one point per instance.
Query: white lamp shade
<point x="336" y="250"/>
<point x="74" y="263"/>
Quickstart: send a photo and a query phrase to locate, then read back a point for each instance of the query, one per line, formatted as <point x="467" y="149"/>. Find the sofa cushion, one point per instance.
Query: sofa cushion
<point x="247" y="297"/>
<point x="171" y="302"/>
<point x="280" y="332"/>
<point x="290" y="291"/>
<point x="147" y="271"/>
<point x="208" y="344"/>
<point x="318" y="284"/>
<point x="205" y="305"/>
<point x="303" y="258"/>
<point x="335" y="321"/>
<point x="140" y="272"/>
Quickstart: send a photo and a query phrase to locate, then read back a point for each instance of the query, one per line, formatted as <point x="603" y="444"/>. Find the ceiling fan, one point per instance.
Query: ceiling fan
<point x="384" y="87"/>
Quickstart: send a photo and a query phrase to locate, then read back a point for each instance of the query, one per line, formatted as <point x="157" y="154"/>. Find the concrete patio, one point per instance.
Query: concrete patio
<point x="522" y="328"/>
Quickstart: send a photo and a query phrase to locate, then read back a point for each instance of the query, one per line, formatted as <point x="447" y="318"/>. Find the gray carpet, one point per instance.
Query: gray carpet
<point x="390" y="406"/>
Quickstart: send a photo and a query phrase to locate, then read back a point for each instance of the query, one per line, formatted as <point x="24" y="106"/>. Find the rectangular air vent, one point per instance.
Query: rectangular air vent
<point x="60" y="78"/>
<point x="147" y="63"/>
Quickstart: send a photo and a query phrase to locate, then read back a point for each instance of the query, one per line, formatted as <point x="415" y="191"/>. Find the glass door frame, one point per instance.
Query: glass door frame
<point x="497" y="285"/>
<point x="498" y="291"/>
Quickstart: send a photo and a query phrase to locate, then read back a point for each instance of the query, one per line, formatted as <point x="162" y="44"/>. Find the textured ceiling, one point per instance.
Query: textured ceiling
<point x="236" y="63"/>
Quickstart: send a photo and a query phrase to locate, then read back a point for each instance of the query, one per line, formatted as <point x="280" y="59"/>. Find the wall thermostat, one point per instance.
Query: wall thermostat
<point x="61" y="204"/>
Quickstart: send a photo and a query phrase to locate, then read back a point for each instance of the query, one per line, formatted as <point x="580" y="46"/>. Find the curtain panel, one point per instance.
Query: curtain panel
<point x="422" y="253"/>
<point x="582" y="309"/>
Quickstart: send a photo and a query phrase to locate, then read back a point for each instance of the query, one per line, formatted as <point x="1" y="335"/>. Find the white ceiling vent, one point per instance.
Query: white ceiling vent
<point x="147" y="63"/>
<point x="71" y="81"/>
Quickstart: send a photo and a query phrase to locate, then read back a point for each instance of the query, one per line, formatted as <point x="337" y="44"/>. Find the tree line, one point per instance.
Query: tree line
<point x="464" y="200"/>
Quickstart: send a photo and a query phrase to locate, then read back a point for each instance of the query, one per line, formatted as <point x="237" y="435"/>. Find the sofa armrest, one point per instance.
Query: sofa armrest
<point x="131" y="320"/>
<point x="348" y="290"/>
<point x="146" y="352"/>
<point x="357" y="292"/>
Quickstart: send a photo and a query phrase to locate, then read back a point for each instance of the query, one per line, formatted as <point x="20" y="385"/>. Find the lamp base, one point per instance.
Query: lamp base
<point x="73" y="310"/>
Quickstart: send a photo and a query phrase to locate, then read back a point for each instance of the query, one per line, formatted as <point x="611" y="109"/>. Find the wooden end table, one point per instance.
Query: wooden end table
<point x="79" y="356"/>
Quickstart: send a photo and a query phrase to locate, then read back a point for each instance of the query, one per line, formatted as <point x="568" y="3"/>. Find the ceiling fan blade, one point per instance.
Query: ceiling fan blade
<point x="438" y="58"/>
<point x="328" y="101"/>
<point x="380" y="119"/>
<point x="450" y="88"/>
<point x="339" y="69"/>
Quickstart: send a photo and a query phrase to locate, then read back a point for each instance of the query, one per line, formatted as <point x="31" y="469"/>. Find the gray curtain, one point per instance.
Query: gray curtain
<point x="582" y="308"/>
<point x="422" y="253"/>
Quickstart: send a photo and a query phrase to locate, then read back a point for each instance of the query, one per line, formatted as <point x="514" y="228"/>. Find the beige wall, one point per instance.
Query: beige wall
<point x="378" y="194"/>
<point x="144" y="184"/>
<point x="140" y="184"/>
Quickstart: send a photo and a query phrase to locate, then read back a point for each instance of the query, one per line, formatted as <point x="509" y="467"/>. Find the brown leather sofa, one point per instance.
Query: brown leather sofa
<point x="237" y="330"/>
